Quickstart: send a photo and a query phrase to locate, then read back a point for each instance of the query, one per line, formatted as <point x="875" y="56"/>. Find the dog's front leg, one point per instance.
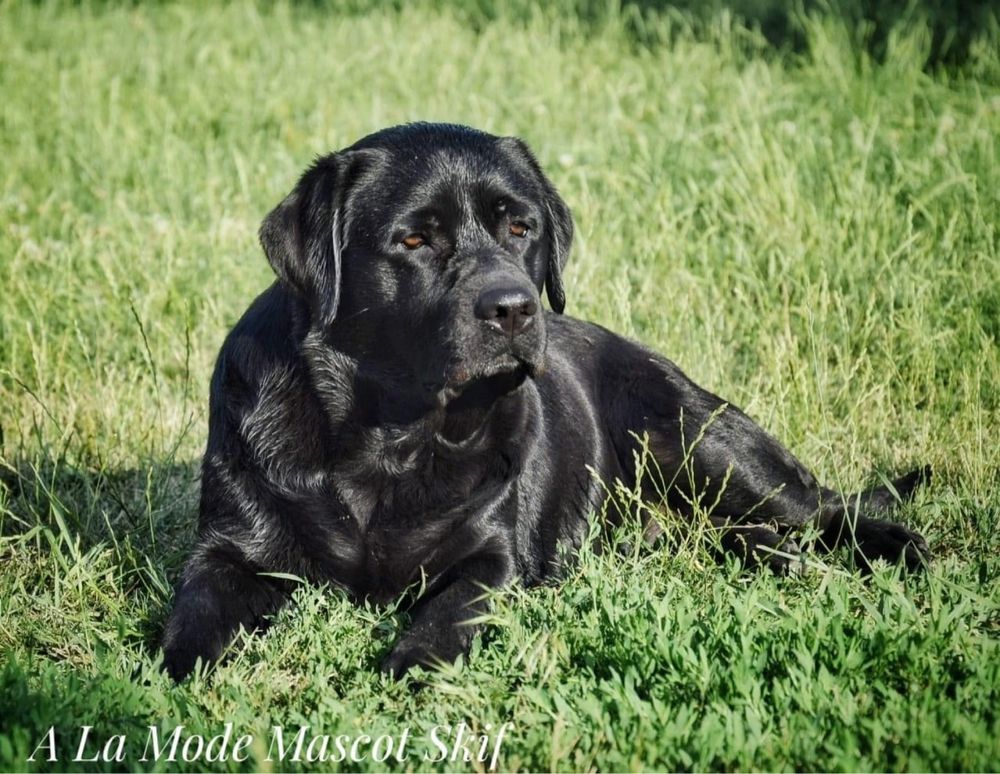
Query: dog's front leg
<point x="217" y="595"/>
<point x="442" y="624"/>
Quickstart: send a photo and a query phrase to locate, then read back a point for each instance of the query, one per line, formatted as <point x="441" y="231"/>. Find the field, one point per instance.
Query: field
<point x="810" y="232"/>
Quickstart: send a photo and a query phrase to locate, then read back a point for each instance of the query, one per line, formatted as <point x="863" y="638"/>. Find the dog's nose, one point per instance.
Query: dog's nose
<point x="510" y="309"/>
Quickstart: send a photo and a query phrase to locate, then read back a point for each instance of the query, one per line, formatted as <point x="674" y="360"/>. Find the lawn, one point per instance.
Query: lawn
<point x="811" y="231"/>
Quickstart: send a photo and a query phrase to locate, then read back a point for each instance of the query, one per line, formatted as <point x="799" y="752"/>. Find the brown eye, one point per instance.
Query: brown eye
<point x="413" y="241"/>
<point x="518" y="229"/>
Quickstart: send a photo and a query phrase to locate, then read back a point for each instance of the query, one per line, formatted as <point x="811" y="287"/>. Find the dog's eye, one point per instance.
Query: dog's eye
<point x="518" y="229"/>
<point x="413" y="241"/>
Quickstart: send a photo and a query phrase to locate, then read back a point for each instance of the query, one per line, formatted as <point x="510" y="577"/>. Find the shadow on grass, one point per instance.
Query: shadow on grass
<point x="122" y="532"/>
<point x="35" y="701"/>
<point x="954" y="25"/>
<point x="152" y="505"/>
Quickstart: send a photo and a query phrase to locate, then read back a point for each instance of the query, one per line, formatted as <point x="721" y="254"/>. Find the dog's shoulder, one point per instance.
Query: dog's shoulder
<point x="620" y="376"/>
<point x="264" y="340"/>
<point x="591" y="350"/>
<point x="261" y="407"/>
<point x="259" y="362"/>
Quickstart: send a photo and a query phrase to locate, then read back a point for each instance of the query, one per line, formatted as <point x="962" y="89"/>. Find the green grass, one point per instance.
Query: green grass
<point x="812" y="235"/>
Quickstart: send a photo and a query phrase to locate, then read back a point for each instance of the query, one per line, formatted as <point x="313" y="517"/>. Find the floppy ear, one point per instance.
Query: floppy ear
<point x="558" y="225"/>
<point x="560" y="228"/>
<point x="303" y="237"/>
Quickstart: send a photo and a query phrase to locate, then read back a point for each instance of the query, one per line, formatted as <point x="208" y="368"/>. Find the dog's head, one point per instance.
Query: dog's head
<point x="424" y="249"/>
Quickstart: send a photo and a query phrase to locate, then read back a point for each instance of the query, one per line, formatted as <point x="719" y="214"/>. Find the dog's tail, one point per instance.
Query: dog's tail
<point x="887" y="496"/>
<point x="857" y="520"/>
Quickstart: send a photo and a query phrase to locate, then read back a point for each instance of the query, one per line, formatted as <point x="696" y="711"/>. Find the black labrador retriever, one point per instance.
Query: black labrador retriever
<point x="398" y="410"/>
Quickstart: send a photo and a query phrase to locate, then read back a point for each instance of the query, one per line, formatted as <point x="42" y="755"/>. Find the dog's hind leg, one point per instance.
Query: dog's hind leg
<point x="757" y="546"/>
<point x="712" y="459"/>
<point x="851" y="521"/>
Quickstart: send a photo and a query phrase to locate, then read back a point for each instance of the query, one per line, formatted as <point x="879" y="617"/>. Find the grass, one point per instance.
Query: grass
<point x="813" y="235"/>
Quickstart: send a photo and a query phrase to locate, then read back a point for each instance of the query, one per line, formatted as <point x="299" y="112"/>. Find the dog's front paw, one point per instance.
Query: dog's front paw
<point x="179" y="662"/>
<point x="186" y="639"/>
<point x="403" y="657"/>
<point x="426" y="649"/>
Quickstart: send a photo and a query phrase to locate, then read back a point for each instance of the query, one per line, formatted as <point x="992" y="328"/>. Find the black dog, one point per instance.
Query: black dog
<point x="397" y="409"/>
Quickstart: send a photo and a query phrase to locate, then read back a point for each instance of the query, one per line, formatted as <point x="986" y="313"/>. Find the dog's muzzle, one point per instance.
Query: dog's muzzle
<point x="506" y="337"/>
<point x="507" y="307"/>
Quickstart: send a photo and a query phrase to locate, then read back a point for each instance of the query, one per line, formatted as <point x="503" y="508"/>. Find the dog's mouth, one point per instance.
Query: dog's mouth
<point x="482" y="392"/>
<point x="466" y="386"/>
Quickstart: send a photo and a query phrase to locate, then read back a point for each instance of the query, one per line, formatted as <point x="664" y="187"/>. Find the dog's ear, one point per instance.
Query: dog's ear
<point x="558" y="224"/>
<point x="304" y="237"/>
<point x="560" y="227"/>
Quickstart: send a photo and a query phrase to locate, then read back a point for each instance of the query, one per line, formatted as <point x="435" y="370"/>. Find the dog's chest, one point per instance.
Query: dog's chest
<point x="393" y="525"/>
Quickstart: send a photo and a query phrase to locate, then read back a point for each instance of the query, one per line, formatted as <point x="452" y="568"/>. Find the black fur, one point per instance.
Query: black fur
<point x="367" y="429"/>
